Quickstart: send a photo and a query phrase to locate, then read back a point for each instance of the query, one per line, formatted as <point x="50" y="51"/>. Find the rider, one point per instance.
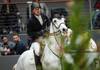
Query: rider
<point x="38" y="22"/>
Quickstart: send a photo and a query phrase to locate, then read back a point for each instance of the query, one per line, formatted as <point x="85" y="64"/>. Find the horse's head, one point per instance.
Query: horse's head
<point x="58" y="25"/>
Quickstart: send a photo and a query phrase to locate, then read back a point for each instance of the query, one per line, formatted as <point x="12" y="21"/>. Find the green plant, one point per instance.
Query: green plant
<point x="79" y="24"/>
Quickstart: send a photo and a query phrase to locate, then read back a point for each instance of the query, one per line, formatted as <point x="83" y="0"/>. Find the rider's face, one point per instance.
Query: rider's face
<point x="36" y="11"/>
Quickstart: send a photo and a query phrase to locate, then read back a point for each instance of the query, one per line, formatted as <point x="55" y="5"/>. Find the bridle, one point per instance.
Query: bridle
<point x="57" y="27"/>
<point x="55" y="34"/>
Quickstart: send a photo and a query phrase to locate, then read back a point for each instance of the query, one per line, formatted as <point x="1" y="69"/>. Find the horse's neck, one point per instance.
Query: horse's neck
<point x="53" y="43"/>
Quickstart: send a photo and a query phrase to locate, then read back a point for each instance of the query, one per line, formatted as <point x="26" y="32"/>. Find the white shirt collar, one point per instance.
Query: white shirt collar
<point x="40" y="19"/>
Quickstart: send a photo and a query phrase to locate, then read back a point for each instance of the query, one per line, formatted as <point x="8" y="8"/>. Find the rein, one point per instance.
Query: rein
<point x="54" y="53"/>
<point x="55" y="34"/>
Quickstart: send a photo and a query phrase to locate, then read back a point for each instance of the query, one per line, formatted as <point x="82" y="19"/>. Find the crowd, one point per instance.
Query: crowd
<point x="37" y="25"/>
<point x="15" y="47"/>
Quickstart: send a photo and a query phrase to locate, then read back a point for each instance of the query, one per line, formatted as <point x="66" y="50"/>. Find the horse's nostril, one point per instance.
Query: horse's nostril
<point x="65" y="30"/>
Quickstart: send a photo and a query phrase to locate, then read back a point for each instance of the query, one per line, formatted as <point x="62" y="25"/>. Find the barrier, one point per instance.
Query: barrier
<point x="7" y="62"/>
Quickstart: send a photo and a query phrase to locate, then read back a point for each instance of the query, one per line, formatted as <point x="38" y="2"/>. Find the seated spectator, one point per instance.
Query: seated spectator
<point x="6" y="46"/>
<point x="20" y="47"/>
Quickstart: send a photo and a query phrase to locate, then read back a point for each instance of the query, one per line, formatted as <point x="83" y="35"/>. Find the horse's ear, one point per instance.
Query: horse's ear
<point x="63" y="19"/>
<point x="52" y="14"/>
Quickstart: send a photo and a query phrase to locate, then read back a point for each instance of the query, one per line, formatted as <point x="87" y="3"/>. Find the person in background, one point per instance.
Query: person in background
<point x="96" y="19"/>
<point x="45" y="10"/>
<point x="20" y="47"/>
<point x="6" y="46"/>
<point x="38" y="21"/>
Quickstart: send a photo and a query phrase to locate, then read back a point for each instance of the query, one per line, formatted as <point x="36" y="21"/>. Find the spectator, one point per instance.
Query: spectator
<point x="38" y="22"/>
<point x="37" y="47"/>
<point x="6" y="46"/>
<point x="45" y="10"/>
<point x="96" y="19"/>
<point x="20" y="47"/>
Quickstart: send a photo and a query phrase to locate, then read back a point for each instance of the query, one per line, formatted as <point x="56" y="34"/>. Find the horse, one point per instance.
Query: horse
<point x="51" y="59"/>
<point x="26" y="60"/>
<point x="52" y="50"/>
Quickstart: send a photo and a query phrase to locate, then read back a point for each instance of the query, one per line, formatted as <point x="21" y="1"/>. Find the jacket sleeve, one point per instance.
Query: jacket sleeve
<point x="46" y="22"/>
<point x="29" y="28"/>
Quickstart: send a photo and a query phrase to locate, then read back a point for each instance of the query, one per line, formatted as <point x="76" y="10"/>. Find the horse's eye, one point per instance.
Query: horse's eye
<point x="54" y="21"/>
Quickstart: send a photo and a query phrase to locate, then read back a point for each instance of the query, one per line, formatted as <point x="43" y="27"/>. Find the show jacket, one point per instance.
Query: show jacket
<point x="34" y="25"/>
